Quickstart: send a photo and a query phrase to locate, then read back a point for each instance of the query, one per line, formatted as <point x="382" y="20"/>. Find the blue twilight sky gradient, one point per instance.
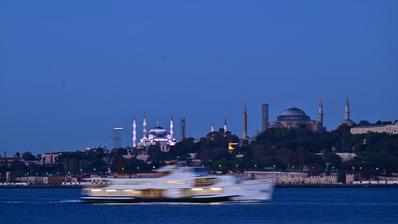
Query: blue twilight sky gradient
<point x="71" y="70"/>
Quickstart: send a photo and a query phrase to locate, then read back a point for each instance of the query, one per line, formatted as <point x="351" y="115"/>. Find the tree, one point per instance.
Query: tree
<point x="333" y="159"/>
<point x="363" y="123"/>
<point x="28" y="156"/>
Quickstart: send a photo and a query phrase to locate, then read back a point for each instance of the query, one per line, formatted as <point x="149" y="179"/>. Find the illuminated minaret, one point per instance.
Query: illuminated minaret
<point x="144" y="126"/>
<point x="347" y="110"/>
<point x="212" y="126"/>
<point x="245" y="123"/>
<point x="225" y="125"/>
<point x="134" y="133"/>
<point x="171" y="127"/>
<point x="320" y="112"/>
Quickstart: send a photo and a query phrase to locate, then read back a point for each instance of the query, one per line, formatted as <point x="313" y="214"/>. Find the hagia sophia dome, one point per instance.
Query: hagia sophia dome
<point x="293" y="114"/>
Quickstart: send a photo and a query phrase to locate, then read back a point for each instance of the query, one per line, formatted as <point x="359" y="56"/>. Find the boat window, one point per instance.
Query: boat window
<point x="199" y="182"/>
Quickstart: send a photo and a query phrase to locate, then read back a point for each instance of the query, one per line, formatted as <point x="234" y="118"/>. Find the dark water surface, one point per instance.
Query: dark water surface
<point x="289" y="205"/>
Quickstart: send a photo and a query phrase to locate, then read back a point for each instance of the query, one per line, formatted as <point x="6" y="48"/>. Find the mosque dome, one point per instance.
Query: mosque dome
<point x="348" y="122"/>
<point x="293" y="114"/>
<point x="158" y="132"/>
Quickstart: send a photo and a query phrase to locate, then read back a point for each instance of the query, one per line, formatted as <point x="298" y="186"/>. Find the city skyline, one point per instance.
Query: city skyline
<point x="126" y="132"/>
<point x="71" y="71"/>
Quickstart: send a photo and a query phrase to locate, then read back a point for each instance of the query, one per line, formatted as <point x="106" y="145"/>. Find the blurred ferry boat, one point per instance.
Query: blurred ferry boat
<point x="179" y="184"/>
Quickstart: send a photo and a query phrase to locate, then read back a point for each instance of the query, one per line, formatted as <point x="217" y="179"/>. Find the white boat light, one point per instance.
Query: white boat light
<point x="110" y="190"/>
<point x="95" y="190"/>
<point x="216" y="189"/>
<point x="197" y="189"/>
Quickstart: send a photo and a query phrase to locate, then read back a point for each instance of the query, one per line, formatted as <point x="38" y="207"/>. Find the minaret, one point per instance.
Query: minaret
<point x="347" y="109"/>
<point x="171" y="127"/>
<point x="225" y="126"/>
<point x="245" y="123"/>
<point x="212" y="126"/>
<point x="144" y="126"/>
<point x="320" y="112"/>
<point x="134" y="133"/>
<point x="265" y="116"/>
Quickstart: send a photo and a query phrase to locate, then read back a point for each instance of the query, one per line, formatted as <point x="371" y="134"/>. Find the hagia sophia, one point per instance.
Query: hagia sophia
<point x="296" y="118"/>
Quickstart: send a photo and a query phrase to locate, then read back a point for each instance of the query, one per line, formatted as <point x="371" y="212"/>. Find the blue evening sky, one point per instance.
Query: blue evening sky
<point x="71" y="70"/>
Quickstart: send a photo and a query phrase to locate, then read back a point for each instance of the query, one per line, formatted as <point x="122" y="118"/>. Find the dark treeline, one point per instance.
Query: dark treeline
<point x="275" y="149"/>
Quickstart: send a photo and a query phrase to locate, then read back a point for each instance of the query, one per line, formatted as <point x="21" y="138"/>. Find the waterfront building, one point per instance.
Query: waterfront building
<point x="388" y="128"/>
<point x="293" y="177"/>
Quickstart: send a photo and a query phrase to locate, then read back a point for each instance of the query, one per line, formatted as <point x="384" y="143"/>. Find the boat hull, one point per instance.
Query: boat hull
<point x="152" y="200"/>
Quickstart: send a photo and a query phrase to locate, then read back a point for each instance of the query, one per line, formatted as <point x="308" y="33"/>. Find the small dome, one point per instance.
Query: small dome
<point x="293" y="114"/>
<point x="348" y="122"/>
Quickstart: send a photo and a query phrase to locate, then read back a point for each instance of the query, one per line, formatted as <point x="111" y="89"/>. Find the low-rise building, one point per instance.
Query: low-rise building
<point x="388" y="128"/>
<point x="42" y="180"/>
<point x="293" y="177"/>
<point x="50" y="158"/>
<point x="346" y="156"/>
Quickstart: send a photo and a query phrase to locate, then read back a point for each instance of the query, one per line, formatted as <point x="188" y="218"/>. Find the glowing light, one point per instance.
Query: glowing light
<point x="216" y="189"/>
<point x="197" y="189"/>
<point x="110" y="190"/>
<point x="95" y="190"/>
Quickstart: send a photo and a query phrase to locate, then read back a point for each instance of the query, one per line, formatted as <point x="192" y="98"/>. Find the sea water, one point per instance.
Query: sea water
<point x="289" y="205"/>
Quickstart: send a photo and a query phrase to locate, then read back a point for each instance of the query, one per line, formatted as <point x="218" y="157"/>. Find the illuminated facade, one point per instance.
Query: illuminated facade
<point x="156" y="136"/>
